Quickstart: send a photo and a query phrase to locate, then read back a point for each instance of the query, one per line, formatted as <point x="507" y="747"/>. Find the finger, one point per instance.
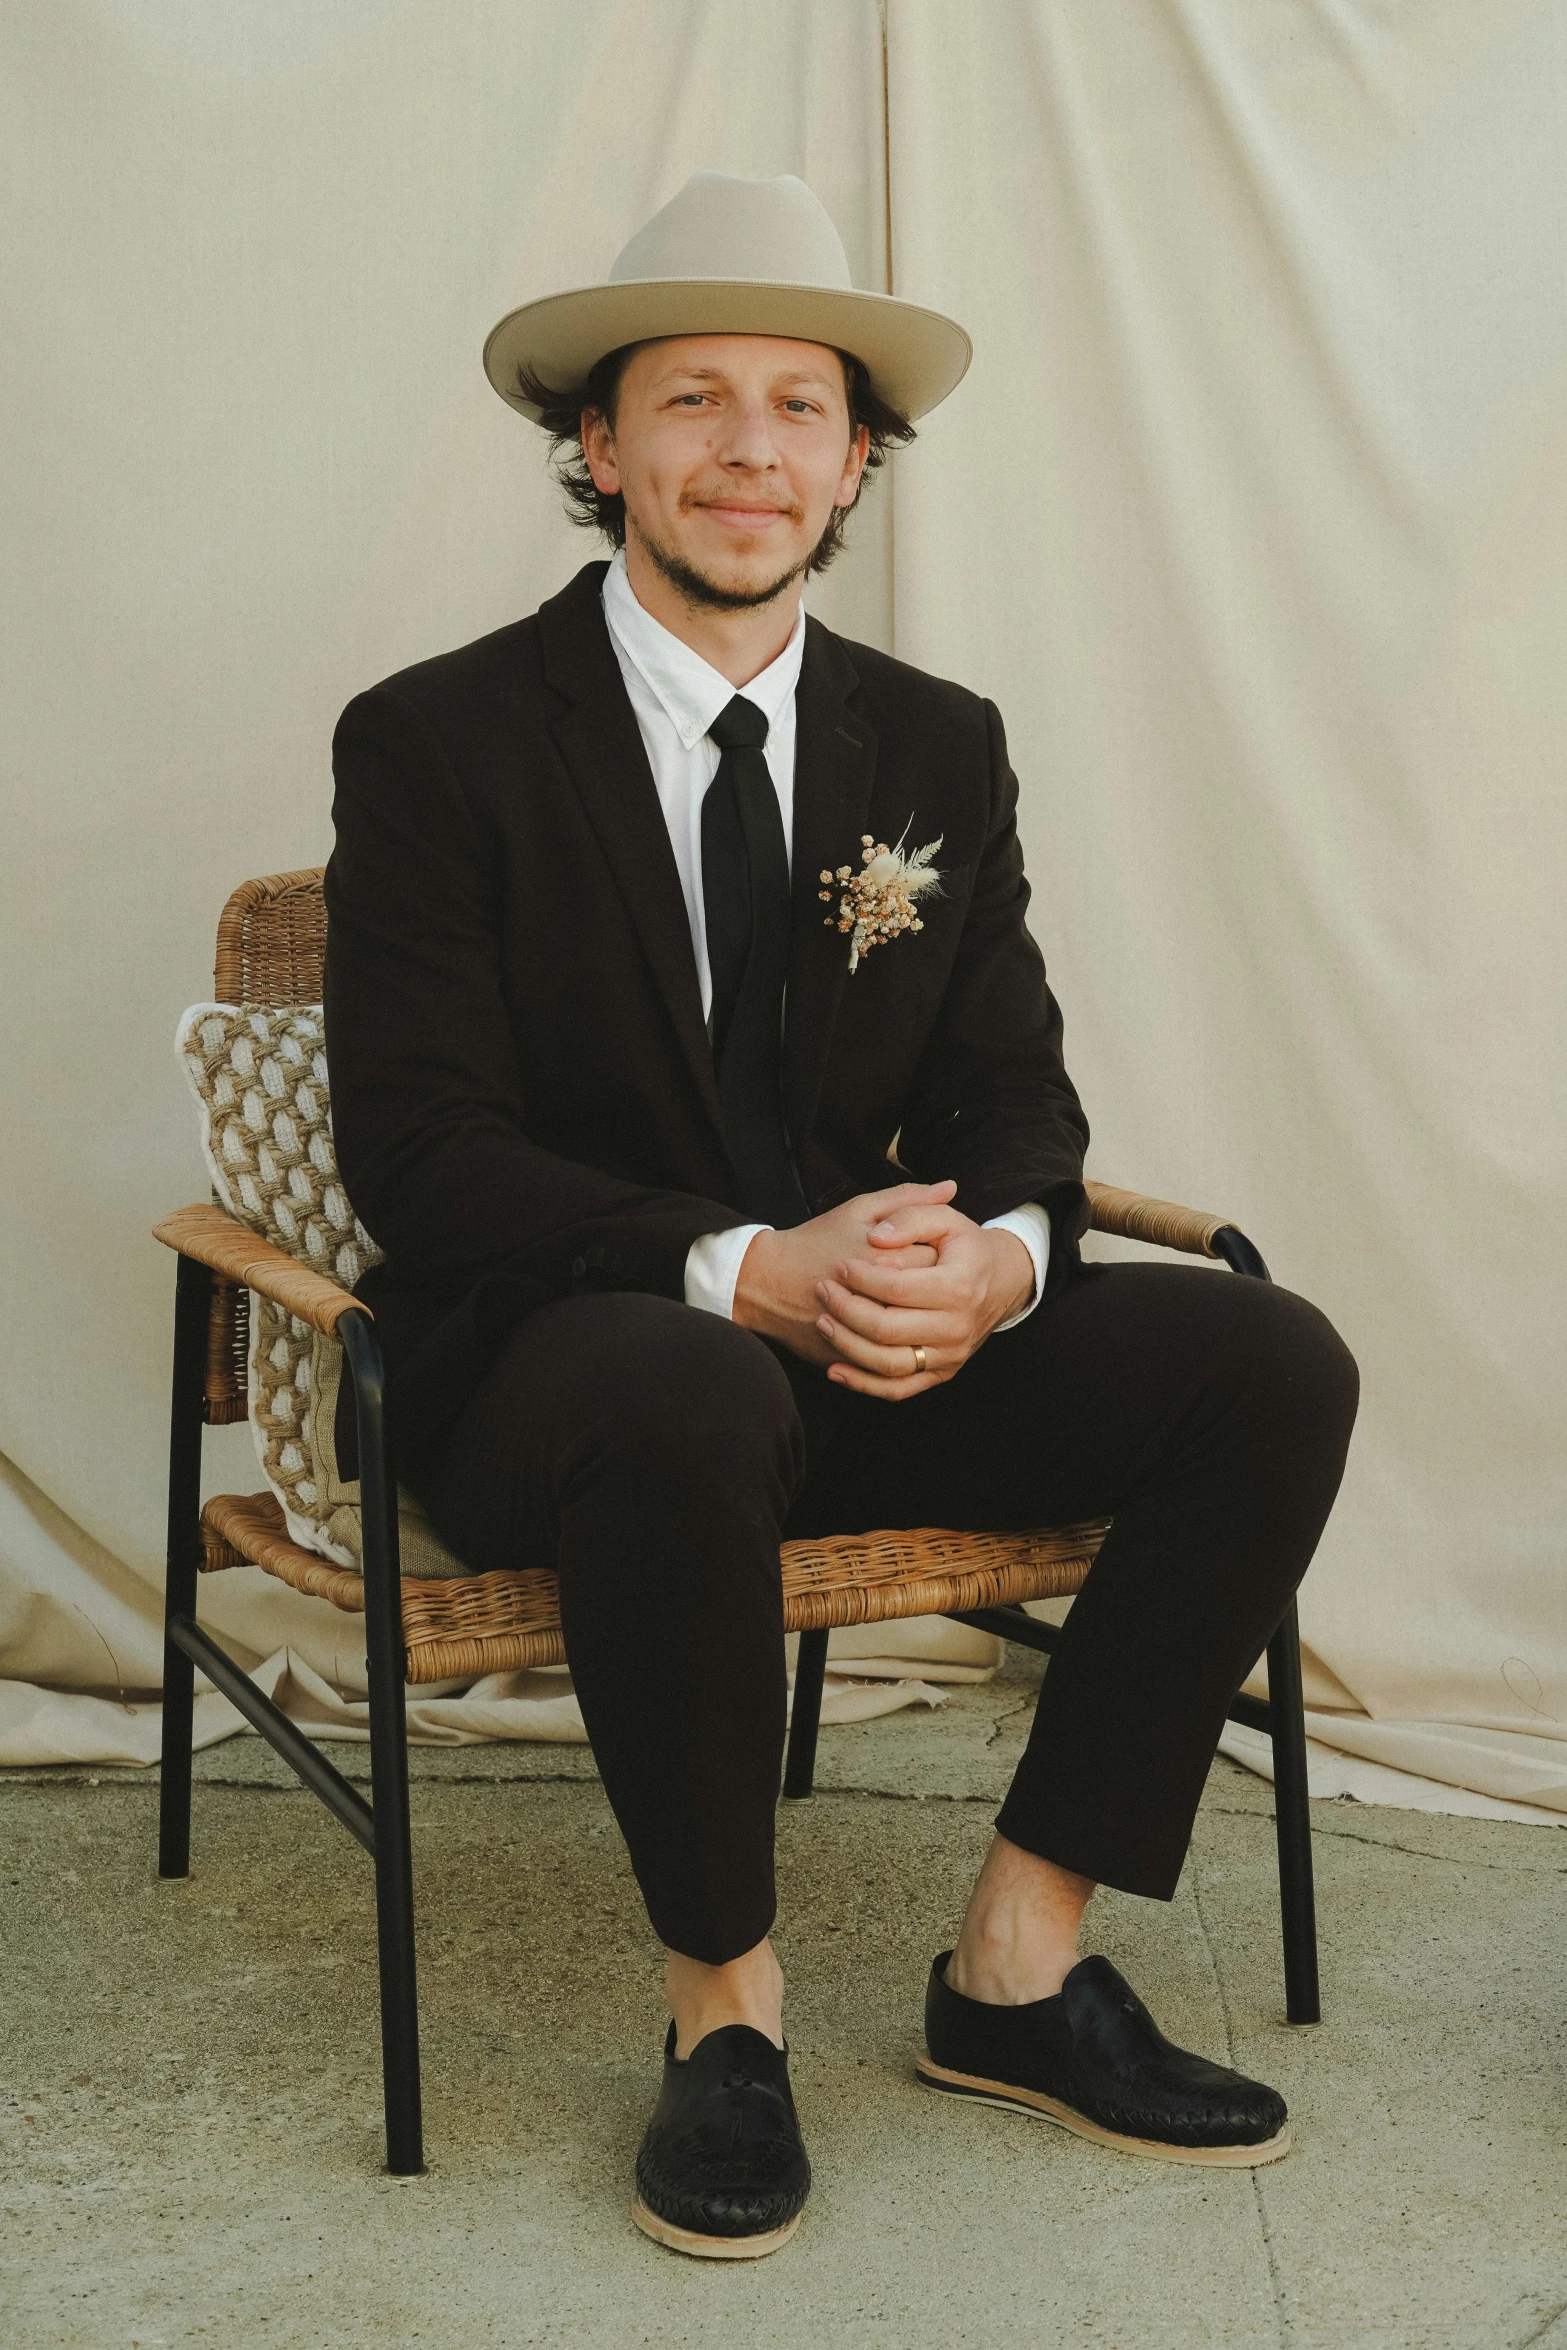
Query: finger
<point x="887" y="1362"/>
<point x="922" y="1289"/>
<point x="917" y="1258"/>
<point x="917" y="1222"/>
<point x="910" y="1321"/>
<point x="887" y="1326"/>
<point x="881" y="1203"/>
<point x="884" y="1390"/>
<point x="898" y="1279"/>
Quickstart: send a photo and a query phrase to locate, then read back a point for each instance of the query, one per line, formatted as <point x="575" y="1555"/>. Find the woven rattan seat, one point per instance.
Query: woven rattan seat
<point x="505" y="1622"/>
<point x="271" y="950"/>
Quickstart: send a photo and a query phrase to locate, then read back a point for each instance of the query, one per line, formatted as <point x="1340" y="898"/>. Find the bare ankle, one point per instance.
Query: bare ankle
<point x="1019" y="1937"/>
<point x="1009" y="1977"/>
<point x="703" y="1999"/>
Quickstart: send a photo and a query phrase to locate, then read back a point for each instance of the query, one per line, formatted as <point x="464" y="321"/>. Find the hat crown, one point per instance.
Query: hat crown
<point x="773" y="231"/>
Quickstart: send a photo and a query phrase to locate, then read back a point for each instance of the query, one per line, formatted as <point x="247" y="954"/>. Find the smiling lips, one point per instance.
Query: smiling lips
<point x="747" y="517"/>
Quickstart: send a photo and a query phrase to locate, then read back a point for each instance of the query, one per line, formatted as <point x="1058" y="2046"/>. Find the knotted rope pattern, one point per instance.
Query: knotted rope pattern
<point x="260" y="1077"/>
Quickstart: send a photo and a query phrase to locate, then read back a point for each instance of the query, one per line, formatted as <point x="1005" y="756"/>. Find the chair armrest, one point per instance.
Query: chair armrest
<point x="213" y="1238"/>
<point x="1158" y="1221"/>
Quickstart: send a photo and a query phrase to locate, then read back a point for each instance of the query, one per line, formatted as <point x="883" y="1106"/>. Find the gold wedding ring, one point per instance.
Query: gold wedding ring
<point x="919" y="1359"/>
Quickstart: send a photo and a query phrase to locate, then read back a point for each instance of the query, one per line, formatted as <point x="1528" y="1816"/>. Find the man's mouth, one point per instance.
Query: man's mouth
<point x="746" y="517"/>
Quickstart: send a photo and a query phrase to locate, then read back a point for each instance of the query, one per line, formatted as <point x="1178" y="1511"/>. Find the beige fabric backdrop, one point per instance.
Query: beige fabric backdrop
<point x="254" y="465"/>
<point x="1251" y="517"/>
<point x="1267" y="293"/>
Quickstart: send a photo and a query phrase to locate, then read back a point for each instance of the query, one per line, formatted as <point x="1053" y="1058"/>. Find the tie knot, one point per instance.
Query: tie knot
<point x="739" y="727"/>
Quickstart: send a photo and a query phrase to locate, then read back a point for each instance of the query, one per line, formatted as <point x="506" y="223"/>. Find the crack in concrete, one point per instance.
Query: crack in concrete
<point x="1543" y="2331"/>
<point x="1213" y="1966"/>
<point x="1275" y="2281"/>
<point x="573" y="1779"/>
<point x="1424" y="1852"/>
<point x="416" y="1786"/>
<point x="1024" y="1705"/>
<point x="1280" y="2305"/>
<point x="1230" y="1811"/>
<point x="905" y="1795"/>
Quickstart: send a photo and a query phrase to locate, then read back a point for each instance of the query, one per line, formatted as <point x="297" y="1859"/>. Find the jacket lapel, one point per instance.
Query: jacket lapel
<point x="602" y="746"/>
<point x="834" y="769"/>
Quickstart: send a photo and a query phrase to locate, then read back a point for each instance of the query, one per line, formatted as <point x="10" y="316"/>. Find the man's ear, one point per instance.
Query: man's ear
<point x="598" y="450"/>
<point x="853" y="468"/>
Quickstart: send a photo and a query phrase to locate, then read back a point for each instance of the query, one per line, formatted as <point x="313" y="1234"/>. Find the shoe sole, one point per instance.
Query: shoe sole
<point x="664" y="2231"/>
<point x="1051" y="2109"/>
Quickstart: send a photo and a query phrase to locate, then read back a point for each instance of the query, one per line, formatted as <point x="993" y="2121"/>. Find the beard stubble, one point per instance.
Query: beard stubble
<point x="700" y="588"/>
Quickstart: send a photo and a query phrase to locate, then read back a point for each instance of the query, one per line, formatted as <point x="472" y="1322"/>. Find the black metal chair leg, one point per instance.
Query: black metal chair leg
<point x="192" y="1300"/>
<point x="805" y="1719"/>
<point x="1292" y="1821"/>
<point x="386" y="1660"/>
<point x="1287" y="1727"/>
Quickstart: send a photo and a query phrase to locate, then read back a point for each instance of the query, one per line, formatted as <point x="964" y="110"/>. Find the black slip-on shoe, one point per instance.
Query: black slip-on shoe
<point x="722" y="2172"/>
<point x="1094" y="2060"/>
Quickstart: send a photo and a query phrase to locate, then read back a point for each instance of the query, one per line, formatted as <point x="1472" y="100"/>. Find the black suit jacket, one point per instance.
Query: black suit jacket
<point x="522" y="1088"/>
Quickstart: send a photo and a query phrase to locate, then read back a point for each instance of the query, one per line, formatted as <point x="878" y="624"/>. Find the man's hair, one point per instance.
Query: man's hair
<point x="560" y="415"/>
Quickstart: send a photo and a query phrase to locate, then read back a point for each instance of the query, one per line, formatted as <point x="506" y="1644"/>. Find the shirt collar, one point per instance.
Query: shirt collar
<point x="691" y="693"/>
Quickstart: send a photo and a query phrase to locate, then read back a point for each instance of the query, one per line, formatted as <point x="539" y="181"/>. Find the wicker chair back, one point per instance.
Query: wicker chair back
<point x="272" y="941"/>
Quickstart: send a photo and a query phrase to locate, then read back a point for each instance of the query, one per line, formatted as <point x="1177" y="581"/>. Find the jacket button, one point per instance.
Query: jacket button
<point x="579" y="1267"/>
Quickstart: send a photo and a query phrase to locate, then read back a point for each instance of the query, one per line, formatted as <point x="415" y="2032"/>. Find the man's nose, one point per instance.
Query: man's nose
<point x="747" y="443"/>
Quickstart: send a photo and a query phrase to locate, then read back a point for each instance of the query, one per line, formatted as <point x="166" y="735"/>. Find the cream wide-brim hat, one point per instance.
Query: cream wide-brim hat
<point x="731" y="257"/>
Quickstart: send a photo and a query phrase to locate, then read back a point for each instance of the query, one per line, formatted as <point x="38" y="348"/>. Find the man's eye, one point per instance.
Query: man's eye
<point x="801" y="407"/>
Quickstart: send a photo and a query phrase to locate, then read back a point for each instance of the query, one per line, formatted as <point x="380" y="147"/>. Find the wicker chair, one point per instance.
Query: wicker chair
<point x="271" y="943"/>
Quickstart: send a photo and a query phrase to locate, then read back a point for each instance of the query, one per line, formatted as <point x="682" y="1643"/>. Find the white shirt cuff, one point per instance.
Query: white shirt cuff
<point x="1032" y="1227"/>
<point x="713" y="1267"/>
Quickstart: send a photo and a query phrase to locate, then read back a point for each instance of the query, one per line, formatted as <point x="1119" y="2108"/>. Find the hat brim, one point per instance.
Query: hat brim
<point x="914" y="357"/>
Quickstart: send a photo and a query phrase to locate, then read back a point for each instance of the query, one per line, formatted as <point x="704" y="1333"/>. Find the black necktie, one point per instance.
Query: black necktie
<point x="745" y="892"/>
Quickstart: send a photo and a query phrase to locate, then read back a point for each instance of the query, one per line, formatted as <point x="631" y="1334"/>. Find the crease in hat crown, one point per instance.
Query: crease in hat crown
<point x="744" y="229"/>
<point x="731" y="256"/>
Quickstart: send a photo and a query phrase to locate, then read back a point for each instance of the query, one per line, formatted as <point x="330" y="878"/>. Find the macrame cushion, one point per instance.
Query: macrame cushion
<point x="259" y="1075"/>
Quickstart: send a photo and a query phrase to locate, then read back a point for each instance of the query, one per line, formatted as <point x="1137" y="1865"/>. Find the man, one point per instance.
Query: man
<point x="636" y="982"/>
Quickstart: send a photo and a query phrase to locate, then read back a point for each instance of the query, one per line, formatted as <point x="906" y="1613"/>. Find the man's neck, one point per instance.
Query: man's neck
<point x="739" y="645"/>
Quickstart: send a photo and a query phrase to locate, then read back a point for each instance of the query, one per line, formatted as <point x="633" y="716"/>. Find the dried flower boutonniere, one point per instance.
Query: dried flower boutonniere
<point x="879" y="901"/>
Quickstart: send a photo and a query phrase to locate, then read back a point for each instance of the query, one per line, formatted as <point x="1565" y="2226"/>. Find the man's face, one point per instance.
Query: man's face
<point x="731" y="452"/>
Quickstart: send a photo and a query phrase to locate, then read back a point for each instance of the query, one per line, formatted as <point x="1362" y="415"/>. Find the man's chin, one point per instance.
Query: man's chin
<point x="731" y="581"/>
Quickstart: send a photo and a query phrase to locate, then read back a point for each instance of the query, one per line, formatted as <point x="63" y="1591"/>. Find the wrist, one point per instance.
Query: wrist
<point x="1013" y="1290"/>
<point x="753" y="1288"/>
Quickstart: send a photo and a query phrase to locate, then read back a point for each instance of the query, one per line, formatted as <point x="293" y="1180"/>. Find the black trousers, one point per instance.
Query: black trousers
<point x="656" y="1455"/>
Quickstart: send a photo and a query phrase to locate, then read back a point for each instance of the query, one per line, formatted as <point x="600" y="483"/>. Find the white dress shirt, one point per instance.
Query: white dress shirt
<point x="676" y="697"/>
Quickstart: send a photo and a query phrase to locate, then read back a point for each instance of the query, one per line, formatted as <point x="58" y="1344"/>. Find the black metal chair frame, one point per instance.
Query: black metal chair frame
<point x="382" y="1826"/>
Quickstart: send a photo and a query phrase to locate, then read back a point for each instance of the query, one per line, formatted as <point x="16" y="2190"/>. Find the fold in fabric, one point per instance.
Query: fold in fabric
<point x="1274" y="617"/>
<point x="1423" y="1766"/>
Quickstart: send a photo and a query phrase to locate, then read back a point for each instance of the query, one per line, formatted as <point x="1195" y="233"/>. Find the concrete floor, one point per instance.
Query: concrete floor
<point x="190" y="2135"/>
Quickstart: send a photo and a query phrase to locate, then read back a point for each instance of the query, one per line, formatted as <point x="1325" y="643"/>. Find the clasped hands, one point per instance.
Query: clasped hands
<point x="862" y="1287"/>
